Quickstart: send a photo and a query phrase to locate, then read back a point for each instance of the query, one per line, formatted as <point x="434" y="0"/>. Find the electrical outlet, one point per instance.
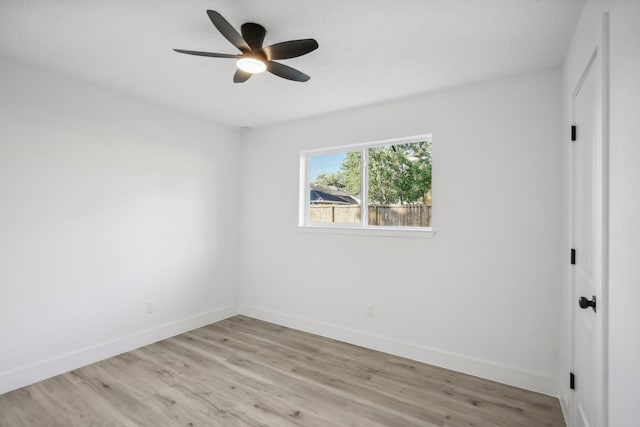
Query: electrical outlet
<point x="369" y="310"/>
<point x="151" y="307"/>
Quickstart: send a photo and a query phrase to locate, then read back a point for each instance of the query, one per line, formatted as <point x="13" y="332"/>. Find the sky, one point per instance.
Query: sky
<point x="326" y="164"/>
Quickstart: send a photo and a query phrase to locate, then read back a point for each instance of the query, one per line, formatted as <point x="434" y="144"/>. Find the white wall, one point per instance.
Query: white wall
<point x="482" y="296"/>
<point x="624" y="292"/>
<point x="106" y="201"/>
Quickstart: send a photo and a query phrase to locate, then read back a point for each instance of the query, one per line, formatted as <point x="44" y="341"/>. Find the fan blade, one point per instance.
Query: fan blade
<point x="213" y="55"/>
<point x="241" y="76"/>
<point x="253" y="34"/>
<point x="290" y="49"/>
<point x="286" y="72"/>
<point x="228" y="31"/>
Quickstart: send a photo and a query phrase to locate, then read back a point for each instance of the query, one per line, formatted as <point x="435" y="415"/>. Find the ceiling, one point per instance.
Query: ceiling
<point x="370" y="51"/>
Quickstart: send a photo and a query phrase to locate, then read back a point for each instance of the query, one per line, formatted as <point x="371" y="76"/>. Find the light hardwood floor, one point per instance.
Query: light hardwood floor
<point x="245" y="372"/>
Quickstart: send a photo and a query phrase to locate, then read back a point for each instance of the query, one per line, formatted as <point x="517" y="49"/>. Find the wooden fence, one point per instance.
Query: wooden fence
<point x="417" y="215"/>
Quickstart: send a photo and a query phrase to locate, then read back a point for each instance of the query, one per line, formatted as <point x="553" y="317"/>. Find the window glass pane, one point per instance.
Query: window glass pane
<point x="335" y="188"/>
<point x="400" y="185"/>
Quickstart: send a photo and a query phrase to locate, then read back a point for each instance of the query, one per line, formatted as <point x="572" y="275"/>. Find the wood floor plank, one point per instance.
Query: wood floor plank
<point x="246" y="372"/>
<point x="461" y="392"/>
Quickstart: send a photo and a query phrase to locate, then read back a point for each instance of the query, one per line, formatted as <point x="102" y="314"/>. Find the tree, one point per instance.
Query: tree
<point x="399" y="173"/>
<point x="335" y="179"/>
<point x="351" y="171"/>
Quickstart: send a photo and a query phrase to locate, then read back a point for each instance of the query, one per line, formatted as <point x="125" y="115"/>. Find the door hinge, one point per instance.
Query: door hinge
<point x="573" y="132"/>
<point x="572" y="381"/>
<point x="573" y="256"/>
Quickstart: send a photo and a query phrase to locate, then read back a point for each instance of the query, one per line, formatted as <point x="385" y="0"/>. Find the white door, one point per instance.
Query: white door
<point x="587" y="232"/>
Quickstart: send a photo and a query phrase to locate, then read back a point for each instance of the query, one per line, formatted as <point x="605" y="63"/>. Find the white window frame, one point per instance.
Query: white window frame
<point x="363" y="228"/>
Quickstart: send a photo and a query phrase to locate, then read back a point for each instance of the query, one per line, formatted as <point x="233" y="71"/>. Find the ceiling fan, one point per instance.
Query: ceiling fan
<point x="255" y="58"/>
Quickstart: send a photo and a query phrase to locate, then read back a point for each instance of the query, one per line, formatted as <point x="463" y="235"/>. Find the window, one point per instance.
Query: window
<point x="380" y="185"/>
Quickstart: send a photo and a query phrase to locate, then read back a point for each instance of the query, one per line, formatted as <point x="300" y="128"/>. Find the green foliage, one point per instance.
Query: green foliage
<point x="399" y="173"/>
<point x="351" y="171"/>
<point x="335" y="179"/>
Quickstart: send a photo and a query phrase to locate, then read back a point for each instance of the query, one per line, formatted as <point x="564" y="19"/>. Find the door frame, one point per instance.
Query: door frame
<point x="599" y="53"/>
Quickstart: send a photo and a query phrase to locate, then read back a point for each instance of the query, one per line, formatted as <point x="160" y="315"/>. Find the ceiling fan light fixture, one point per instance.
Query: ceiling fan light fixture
<point x="254" y="58"/>
<point x="251" y="65"/>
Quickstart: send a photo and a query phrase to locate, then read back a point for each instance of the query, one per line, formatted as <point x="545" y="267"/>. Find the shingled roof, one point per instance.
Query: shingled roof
<point x="331" y="195"/>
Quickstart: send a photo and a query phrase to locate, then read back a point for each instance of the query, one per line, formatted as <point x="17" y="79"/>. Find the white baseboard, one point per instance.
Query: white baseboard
<point x="31" y="373"/>
<point x="34" y="372"/>
<point x="493" y="371"/>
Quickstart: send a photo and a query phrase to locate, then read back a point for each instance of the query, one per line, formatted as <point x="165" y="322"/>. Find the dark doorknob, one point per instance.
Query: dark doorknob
<point x="586" y="303"/>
